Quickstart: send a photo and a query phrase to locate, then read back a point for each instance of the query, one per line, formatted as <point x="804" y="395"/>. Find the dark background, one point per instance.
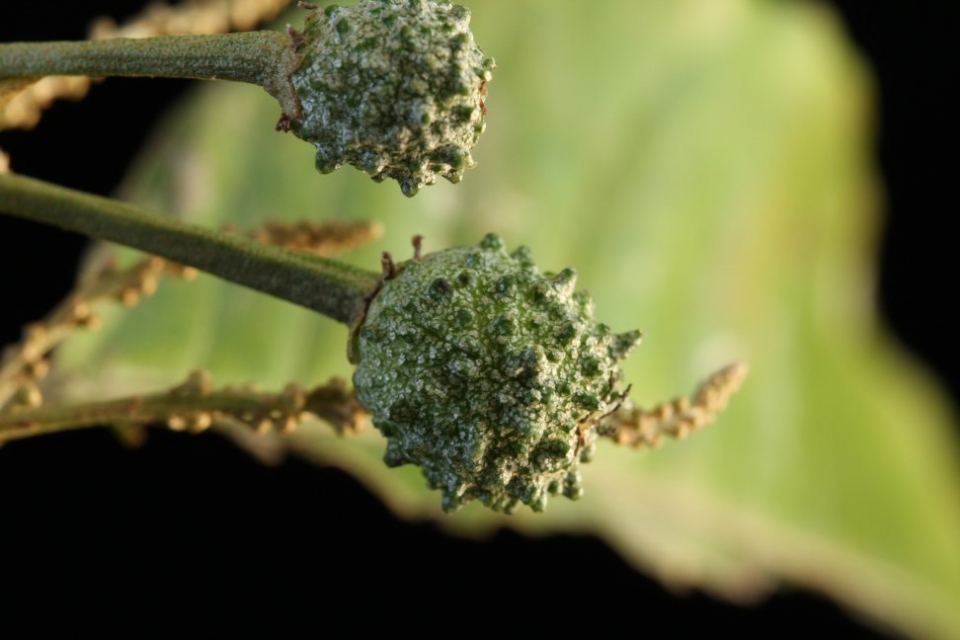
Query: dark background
<point x="191" y="525"/>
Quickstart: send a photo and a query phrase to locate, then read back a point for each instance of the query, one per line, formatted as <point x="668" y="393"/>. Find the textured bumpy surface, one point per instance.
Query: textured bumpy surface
<point x="488" y="374"/>
<point x="392" y="87"/>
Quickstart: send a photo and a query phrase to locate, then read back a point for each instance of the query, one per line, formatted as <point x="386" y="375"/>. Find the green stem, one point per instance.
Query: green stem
<point x="326" y="286"/>
<point x="264" y="58"/>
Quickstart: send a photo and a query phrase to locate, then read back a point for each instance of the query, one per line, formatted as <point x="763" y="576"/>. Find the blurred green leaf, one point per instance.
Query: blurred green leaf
<point x="705" y="165"/>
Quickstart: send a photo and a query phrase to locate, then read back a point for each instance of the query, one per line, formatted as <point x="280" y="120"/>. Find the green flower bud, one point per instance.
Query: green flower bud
<point x="488" y="374"/>
<point x="392" y="87"/>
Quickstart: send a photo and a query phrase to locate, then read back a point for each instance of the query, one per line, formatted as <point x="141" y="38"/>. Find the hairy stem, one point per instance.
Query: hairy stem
<point x="194" y="406"/>
<point x="329" y="287"/>
<point x="640" y="428"/>
<point x="23" y="364"/>
<point x="262" y="57"/>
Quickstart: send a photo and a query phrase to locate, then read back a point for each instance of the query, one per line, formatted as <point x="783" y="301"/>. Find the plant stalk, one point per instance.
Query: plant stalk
<point x="264" y="58"/>
<point x="332" y="288"/>
<point x="192" y="406"/>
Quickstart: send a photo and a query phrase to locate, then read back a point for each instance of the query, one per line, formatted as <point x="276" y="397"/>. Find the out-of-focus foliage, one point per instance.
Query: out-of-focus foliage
<point x="704" y="165"/>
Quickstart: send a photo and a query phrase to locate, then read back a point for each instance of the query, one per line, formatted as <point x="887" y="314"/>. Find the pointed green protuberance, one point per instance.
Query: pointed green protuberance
<point x="488" y="374"/>
<point x="392" y="87"/>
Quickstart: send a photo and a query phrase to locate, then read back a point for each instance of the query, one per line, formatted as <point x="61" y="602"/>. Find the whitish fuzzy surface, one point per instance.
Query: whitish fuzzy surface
<point x="392" y="87"/>
<point x="487" y="374"/>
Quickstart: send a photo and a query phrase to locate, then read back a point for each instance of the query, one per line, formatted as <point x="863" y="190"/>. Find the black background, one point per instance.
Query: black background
<point x="95" y="536"/>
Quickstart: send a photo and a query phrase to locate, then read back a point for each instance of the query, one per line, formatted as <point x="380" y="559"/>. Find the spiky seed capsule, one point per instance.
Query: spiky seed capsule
<point x="487" y="374"/>
<point x="392" y="87"/>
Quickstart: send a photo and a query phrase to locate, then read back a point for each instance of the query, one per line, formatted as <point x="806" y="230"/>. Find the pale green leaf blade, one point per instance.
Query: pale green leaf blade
<point x="705" y="166"/>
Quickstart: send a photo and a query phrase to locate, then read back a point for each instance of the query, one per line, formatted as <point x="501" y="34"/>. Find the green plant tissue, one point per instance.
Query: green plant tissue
<point x="705" y="166"/>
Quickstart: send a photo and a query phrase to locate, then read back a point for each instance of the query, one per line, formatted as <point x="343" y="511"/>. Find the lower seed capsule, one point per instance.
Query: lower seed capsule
<point x="493" y="393"/>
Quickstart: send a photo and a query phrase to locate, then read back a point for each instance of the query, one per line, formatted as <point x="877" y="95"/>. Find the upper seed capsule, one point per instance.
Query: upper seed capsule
<point x="392" y="87"/>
